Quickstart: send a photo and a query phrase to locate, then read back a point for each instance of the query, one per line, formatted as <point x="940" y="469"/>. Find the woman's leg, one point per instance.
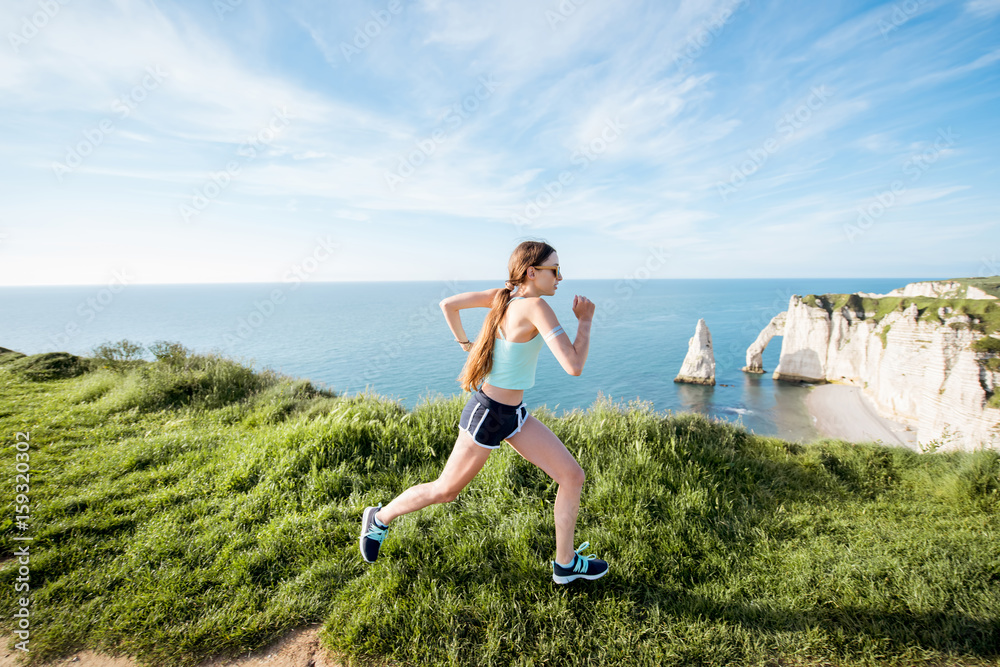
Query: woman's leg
<point x="465" y="461"/>
<point x="539" y="445"/>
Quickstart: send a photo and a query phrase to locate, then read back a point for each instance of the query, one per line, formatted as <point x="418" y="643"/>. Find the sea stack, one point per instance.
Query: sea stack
<point x="699" y="363"/>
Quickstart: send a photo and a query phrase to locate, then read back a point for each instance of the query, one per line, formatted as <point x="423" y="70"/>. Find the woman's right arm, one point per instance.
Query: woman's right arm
<point x="456" y="302"/>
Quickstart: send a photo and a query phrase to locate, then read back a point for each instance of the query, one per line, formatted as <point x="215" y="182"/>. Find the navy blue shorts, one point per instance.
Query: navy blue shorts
<point x="490" y="423"/>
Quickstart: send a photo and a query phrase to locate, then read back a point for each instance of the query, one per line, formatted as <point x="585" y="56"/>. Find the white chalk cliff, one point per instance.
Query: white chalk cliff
<point x="943" y="289"/>
<point x="918" y="370"/>
<point x="699" y="362"/>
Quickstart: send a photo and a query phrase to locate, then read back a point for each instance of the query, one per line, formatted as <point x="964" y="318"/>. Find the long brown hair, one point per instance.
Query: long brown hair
<point x="480" y="360"/>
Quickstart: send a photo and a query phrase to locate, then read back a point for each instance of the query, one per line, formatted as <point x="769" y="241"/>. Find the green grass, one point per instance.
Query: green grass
<point x="189" y="507"/>
<point x="884" y="334"/>
<point x="986" y="344"/>
<point x="989" y="284"/>
<point x="984" y="313"/>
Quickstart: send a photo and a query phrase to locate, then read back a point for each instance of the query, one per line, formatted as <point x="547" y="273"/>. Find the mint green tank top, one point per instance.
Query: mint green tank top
<point x="514" y="363"/>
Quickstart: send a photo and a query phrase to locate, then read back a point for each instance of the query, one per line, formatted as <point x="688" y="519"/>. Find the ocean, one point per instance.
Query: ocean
<point x="391" y="337"/>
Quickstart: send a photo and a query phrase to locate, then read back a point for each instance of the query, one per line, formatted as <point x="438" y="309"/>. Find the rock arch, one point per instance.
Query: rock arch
<point x="755" y="353"/>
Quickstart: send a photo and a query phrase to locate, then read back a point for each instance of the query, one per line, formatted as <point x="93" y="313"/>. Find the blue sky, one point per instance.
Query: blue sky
<point x="241" y="140"/>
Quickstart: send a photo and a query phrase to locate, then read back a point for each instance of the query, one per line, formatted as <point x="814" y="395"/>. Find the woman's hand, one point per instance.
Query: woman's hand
<point x="583" y="308"/>
<point x="467" y="345"/>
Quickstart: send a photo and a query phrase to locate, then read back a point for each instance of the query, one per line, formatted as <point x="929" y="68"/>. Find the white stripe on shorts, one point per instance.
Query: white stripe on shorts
<point x="486" y="411"/>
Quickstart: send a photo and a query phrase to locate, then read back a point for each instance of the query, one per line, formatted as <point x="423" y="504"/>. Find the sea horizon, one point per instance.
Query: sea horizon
<point x="478" y="280"/>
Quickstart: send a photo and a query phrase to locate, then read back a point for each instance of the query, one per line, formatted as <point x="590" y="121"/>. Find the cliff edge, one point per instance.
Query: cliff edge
<point x="927" y="354"/>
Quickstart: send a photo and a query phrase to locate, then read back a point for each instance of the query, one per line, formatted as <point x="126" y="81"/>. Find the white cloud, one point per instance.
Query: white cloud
<point x="879" y="142"/>
<point x="521" y="179"/>
<point x="351" y="215"/>
<point x="923" y="195"/>
<point x="986" y="8"/>
<point x="853" y="33"/>
<point x="958" y="71"/>
<point x="662" y="228"/>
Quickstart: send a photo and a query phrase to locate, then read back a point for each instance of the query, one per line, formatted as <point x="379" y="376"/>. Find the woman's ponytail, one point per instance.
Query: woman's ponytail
<point x="480" y="361"/>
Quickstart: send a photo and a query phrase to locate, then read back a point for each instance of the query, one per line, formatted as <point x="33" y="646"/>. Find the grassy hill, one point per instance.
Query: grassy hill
<point x="189" y="507"/>
<point x="989" y="284"/>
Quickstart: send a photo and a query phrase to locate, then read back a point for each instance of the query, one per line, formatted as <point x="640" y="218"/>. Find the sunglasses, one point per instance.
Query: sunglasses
<point x="555" y="269"/>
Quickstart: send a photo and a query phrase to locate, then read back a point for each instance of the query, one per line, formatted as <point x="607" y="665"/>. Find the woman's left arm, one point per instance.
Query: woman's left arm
<point x="456" y="302"/>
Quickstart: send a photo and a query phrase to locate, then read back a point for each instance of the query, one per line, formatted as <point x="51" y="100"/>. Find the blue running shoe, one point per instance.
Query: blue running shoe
<point x="582" y="567"/>
<point x="371" y="534"/>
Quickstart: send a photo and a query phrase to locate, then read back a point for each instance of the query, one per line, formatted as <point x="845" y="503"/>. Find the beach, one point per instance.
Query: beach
<point x="844" y="412"/>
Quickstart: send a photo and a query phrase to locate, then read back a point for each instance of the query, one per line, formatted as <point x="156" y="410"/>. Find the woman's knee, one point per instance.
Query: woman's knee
<point x="444" y="493"/>
<point x="573" y="476"/>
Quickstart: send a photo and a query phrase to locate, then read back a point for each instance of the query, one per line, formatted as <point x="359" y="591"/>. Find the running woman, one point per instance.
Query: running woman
<point x="503" y="360"/>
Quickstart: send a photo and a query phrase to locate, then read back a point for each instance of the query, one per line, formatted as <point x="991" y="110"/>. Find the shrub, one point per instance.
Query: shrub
<point x="173" y="354"/>
<point x="118" y="356"/>
<point x="986" y="344"/>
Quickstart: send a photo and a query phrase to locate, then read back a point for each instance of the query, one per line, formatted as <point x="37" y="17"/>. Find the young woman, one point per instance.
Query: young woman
<point x="503" y="359"/>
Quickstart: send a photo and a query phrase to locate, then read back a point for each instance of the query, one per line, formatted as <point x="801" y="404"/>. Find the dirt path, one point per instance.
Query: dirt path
<point x="298" y="648"/>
